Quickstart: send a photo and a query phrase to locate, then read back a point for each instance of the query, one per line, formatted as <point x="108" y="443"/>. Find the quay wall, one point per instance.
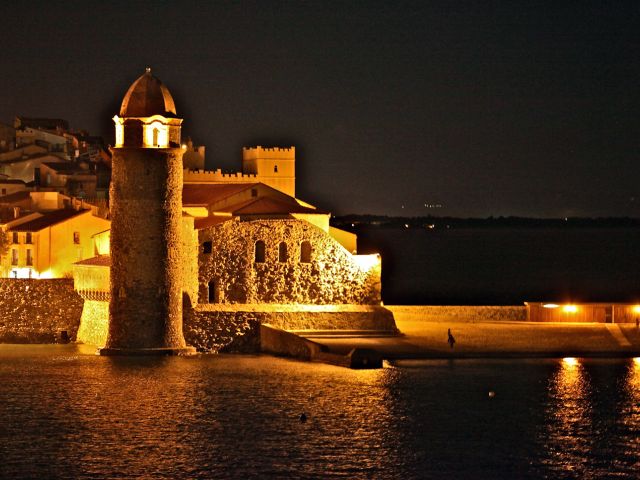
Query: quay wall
<point x="36" y="311"/>
<point x="464" y="313"/>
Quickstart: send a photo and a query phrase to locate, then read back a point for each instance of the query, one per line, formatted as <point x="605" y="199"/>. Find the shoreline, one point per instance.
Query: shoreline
<point x="426" y="338"/>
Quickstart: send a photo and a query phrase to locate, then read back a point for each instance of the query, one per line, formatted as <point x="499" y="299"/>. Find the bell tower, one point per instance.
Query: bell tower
<point x="145" y="307"/>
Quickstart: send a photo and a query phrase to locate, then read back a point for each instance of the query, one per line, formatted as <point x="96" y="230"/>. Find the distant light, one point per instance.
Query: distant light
<point x="431" y="226"/>
<point x="570" y="361"/>
<point x="636" y="360"/>
<point x="406" y="225"/>
<point x="570" y="309"/>
<point x="636" y="308"/>
<point x="184" y="146"/>
<point x="550" y="305"/>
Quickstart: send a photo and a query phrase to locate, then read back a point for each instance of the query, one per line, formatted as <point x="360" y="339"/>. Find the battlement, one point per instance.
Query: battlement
<point x="277" y="153"/>
<point x="209" y="176"/>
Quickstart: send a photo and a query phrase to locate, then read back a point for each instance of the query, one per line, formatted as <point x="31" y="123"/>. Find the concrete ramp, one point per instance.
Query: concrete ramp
<point x="616" y="333"/>
<point x="288" y="344"/>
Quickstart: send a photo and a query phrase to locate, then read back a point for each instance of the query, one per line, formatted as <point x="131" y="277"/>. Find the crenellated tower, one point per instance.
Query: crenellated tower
<point x="145" y="310"/>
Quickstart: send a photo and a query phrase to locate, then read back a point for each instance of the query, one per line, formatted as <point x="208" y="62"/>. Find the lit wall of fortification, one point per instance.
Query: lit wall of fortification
<point x="217" y="176"/>
<point x="275" y="167"/>
<point x="282" y="261"/>
<point x="36" y="311"/>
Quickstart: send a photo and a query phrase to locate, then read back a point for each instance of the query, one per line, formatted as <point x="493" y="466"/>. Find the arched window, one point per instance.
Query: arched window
<point x="260" y="252"/>
<point x="305" y="252"/>
<point x="155" y="137"/>
<point x="282" y="252"/>
<point x="275" y="169"/>
<point x="207" y="247"/>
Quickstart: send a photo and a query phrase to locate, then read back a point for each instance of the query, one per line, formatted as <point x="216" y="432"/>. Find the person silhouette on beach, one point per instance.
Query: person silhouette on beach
<point x="451" y="340"/>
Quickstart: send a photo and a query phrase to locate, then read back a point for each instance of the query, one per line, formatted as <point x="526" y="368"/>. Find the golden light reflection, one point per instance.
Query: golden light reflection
<point x="636" y="309"/>
<point x="633" y="387"/>
<point x="630" y="408"/>
<point x="550" y="305"/>
<point x="568" y="431"/>
<point x="570" y="309"/>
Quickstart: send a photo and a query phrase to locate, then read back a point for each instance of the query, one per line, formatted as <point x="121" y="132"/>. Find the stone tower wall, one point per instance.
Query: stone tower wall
<point x="146" y="249"/>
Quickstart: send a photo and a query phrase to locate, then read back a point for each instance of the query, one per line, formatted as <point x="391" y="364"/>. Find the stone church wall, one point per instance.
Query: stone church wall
<point x="36" y="311"/>
<point x="331" y="277"/>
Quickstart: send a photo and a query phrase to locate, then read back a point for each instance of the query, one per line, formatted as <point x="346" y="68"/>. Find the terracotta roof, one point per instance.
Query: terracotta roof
<point x="47" y="220"/>
<point x="199" y="194"/>
<point x="200" y="223"/>
<point x="99" y="261"/>
<point x="11" y="180"/>
<point x="27" y="158"/>
<point x="269" y="206"/>
<point x="15" y="197"/>
<point x="7" y="215"/>
<point x="43" y="123"/>
<point x="147" y="96"/>
<point x="66" y="167"/>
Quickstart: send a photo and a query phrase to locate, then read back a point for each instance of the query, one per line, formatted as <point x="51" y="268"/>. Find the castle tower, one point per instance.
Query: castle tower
<point x="145" y="310"/>
<point x="275" y="167"/>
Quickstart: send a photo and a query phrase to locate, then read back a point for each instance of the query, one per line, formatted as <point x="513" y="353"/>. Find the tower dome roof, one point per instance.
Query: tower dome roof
<point x="147" y="96"/>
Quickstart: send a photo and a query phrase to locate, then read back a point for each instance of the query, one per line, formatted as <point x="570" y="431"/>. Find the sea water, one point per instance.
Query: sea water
<point x="67" y="413"/>
<point x="504" y="266"/>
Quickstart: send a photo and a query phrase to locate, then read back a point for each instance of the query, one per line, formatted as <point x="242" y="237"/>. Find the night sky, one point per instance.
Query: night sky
<point x="485" y="108"/>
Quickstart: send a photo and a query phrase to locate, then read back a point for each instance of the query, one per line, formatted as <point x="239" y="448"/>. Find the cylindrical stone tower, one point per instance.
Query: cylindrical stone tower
<point x="145" y="310"/>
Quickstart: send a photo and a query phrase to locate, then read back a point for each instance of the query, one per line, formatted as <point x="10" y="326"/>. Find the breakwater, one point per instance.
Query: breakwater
<point x="38" y="311"/>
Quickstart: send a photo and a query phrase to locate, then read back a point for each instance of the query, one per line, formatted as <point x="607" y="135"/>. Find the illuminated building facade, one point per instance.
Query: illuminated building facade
<point x="47" y="232"/>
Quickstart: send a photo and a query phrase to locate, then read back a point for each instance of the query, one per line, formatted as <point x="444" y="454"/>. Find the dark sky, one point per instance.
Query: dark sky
<point x="486" y="108"/>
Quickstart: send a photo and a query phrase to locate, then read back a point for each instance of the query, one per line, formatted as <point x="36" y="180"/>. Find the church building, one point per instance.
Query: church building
<point x="195" y="254"/>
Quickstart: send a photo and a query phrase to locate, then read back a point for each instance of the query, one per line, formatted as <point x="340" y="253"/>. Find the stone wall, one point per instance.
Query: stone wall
<point x="146" y="248"/>
<point x="222" y="332"/>
<point x="94" y="324"/>
<point x="331" y="277"/>
<point x="36" y="311"/>
<point x="448" y="313"/>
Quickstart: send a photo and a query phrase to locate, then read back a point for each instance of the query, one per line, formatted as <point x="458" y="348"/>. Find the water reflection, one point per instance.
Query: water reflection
<point x="629" y="416"/>
<point x="202" y="417"/>
<point x="69" y="415"/>
<point x="569" y="411"/>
